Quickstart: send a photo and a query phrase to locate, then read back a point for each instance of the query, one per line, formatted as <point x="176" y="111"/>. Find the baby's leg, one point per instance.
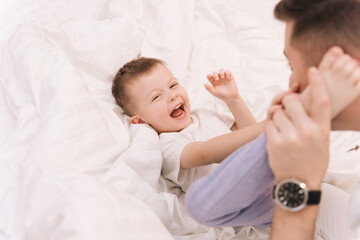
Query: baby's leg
<point x="342" y="75"/>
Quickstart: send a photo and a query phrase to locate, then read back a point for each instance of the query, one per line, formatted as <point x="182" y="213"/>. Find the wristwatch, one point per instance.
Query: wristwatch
<point x="293" y="195"/>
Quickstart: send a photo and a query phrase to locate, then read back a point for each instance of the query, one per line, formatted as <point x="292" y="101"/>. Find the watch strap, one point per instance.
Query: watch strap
<point x="314" y="197"/>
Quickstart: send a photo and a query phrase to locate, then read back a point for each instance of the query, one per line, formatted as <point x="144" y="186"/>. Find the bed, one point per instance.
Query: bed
<point x="71" y="165"/>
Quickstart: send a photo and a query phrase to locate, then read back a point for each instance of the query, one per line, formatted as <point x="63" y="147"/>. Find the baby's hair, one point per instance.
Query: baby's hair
<point x="127" y="74"/>
<point x="320" y="24"/>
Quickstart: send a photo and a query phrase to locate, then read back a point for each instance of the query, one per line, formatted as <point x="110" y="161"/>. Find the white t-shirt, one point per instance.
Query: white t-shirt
<point x="206" y="125"/>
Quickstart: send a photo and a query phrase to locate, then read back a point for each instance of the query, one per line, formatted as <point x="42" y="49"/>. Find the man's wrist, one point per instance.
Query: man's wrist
<point x="294" y="195"/>
<point x="298" y="225"/>
<point x="312" y="183"/>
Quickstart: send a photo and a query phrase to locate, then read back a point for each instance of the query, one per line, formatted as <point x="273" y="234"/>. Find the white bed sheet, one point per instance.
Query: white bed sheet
<point x="71" y="166"/>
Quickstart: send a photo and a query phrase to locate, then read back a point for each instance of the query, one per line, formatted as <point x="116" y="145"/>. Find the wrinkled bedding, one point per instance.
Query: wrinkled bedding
<point x="71" y="165"/>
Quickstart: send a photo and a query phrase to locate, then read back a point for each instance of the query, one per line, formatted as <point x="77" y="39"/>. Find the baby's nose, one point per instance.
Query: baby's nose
<point x="172" y="97"/>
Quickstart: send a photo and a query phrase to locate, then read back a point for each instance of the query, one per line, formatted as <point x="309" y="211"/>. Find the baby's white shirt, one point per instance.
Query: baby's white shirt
<point x="206" y="125"/>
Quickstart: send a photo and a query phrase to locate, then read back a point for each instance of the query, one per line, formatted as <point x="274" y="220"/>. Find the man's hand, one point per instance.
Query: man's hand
<point x="276" y="103"/>
<point x="298" y="143"/>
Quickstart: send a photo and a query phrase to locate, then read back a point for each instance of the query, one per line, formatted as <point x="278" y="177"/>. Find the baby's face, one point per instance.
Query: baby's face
<point x="160" y="101"/>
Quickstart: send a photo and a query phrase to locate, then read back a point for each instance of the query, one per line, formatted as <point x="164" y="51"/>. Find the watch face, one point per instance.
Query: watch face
<point x="291" y="195"/>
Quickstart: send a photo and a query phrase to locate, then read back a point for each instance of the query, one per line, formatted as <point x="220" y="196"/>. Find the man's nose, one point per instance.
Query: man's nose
<point x="291" y="81"/>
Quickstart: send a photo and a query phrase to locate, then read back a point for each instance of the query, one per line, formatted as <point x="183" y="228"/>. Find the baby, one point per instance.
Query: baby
<point x="192" y="140"/>
<point x="149" y="93"/>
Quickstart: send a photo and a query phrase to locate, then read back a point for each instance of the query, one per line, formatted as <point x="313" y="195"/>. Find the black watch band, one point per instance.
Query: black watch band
<point x="314" y="197"/>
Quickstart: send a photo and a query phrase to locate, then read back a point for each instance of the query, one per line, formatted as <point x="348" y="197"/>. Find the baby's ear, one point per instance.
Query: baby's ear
<point x="136" y="120"/>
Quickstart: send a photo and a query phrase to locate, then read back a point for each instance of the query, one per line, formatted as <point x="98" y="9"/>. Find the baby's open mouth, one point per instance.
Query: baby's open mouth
<point x="178" y="111"/>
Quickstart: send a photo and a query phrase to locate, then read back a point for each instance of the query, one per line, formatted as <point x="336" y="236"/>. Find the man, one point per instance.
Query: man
<point x="305" y="155"/>
<point x="240" y="190"/>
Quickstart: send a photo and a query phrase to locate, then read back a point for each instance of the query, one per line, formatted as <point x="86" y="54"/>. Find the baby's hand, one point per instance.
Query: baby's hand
<point x="223" y="85"/>
<point x="342" y="75"/>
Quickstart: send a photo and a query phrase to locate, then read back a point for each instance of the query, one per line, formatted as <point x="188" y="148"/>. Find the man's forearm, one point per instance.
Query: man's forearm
<point x="294" y="225"/>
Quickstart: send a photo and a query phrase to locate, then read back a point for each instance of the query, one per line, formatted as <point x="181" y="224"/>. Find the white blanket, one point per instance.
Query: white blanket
<point x="71" y="166"/>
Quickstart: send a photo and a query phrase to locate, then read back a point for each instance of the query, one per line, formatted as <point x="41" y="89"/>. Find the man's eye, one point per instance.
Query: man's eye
<point x="173" y="85"/>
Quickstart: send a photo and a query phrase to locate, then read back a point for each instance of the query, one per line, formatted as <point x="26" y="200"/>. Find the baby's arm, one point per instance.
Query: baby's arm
<point x="342" y="75"/>
<point x="223" y="86"/>
<point x="215" y="150"/>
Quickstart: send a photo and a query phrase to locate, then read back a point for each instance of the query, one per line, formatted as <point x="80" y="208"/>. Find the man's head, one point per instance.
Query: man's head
<point x="149" y="93"/>
<point x="312" y="27"/>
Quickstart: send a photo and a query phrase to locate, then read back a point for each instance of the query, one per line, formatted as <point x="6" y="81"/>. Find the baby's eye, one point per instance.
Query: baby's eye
<point x="155" y="97"/>
<point x="173" y="85"/>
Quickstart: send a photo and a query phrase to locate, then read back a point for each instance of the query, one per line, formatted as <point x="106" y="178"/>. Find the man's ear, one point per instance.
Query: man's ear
<point x="136" y="120"/>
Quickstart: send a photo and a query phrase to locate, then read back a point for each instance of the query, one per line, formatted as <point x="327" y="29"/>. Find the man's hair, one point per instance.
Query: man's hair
<point x="126" y="75"/>
<point x="320" y="24"/>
